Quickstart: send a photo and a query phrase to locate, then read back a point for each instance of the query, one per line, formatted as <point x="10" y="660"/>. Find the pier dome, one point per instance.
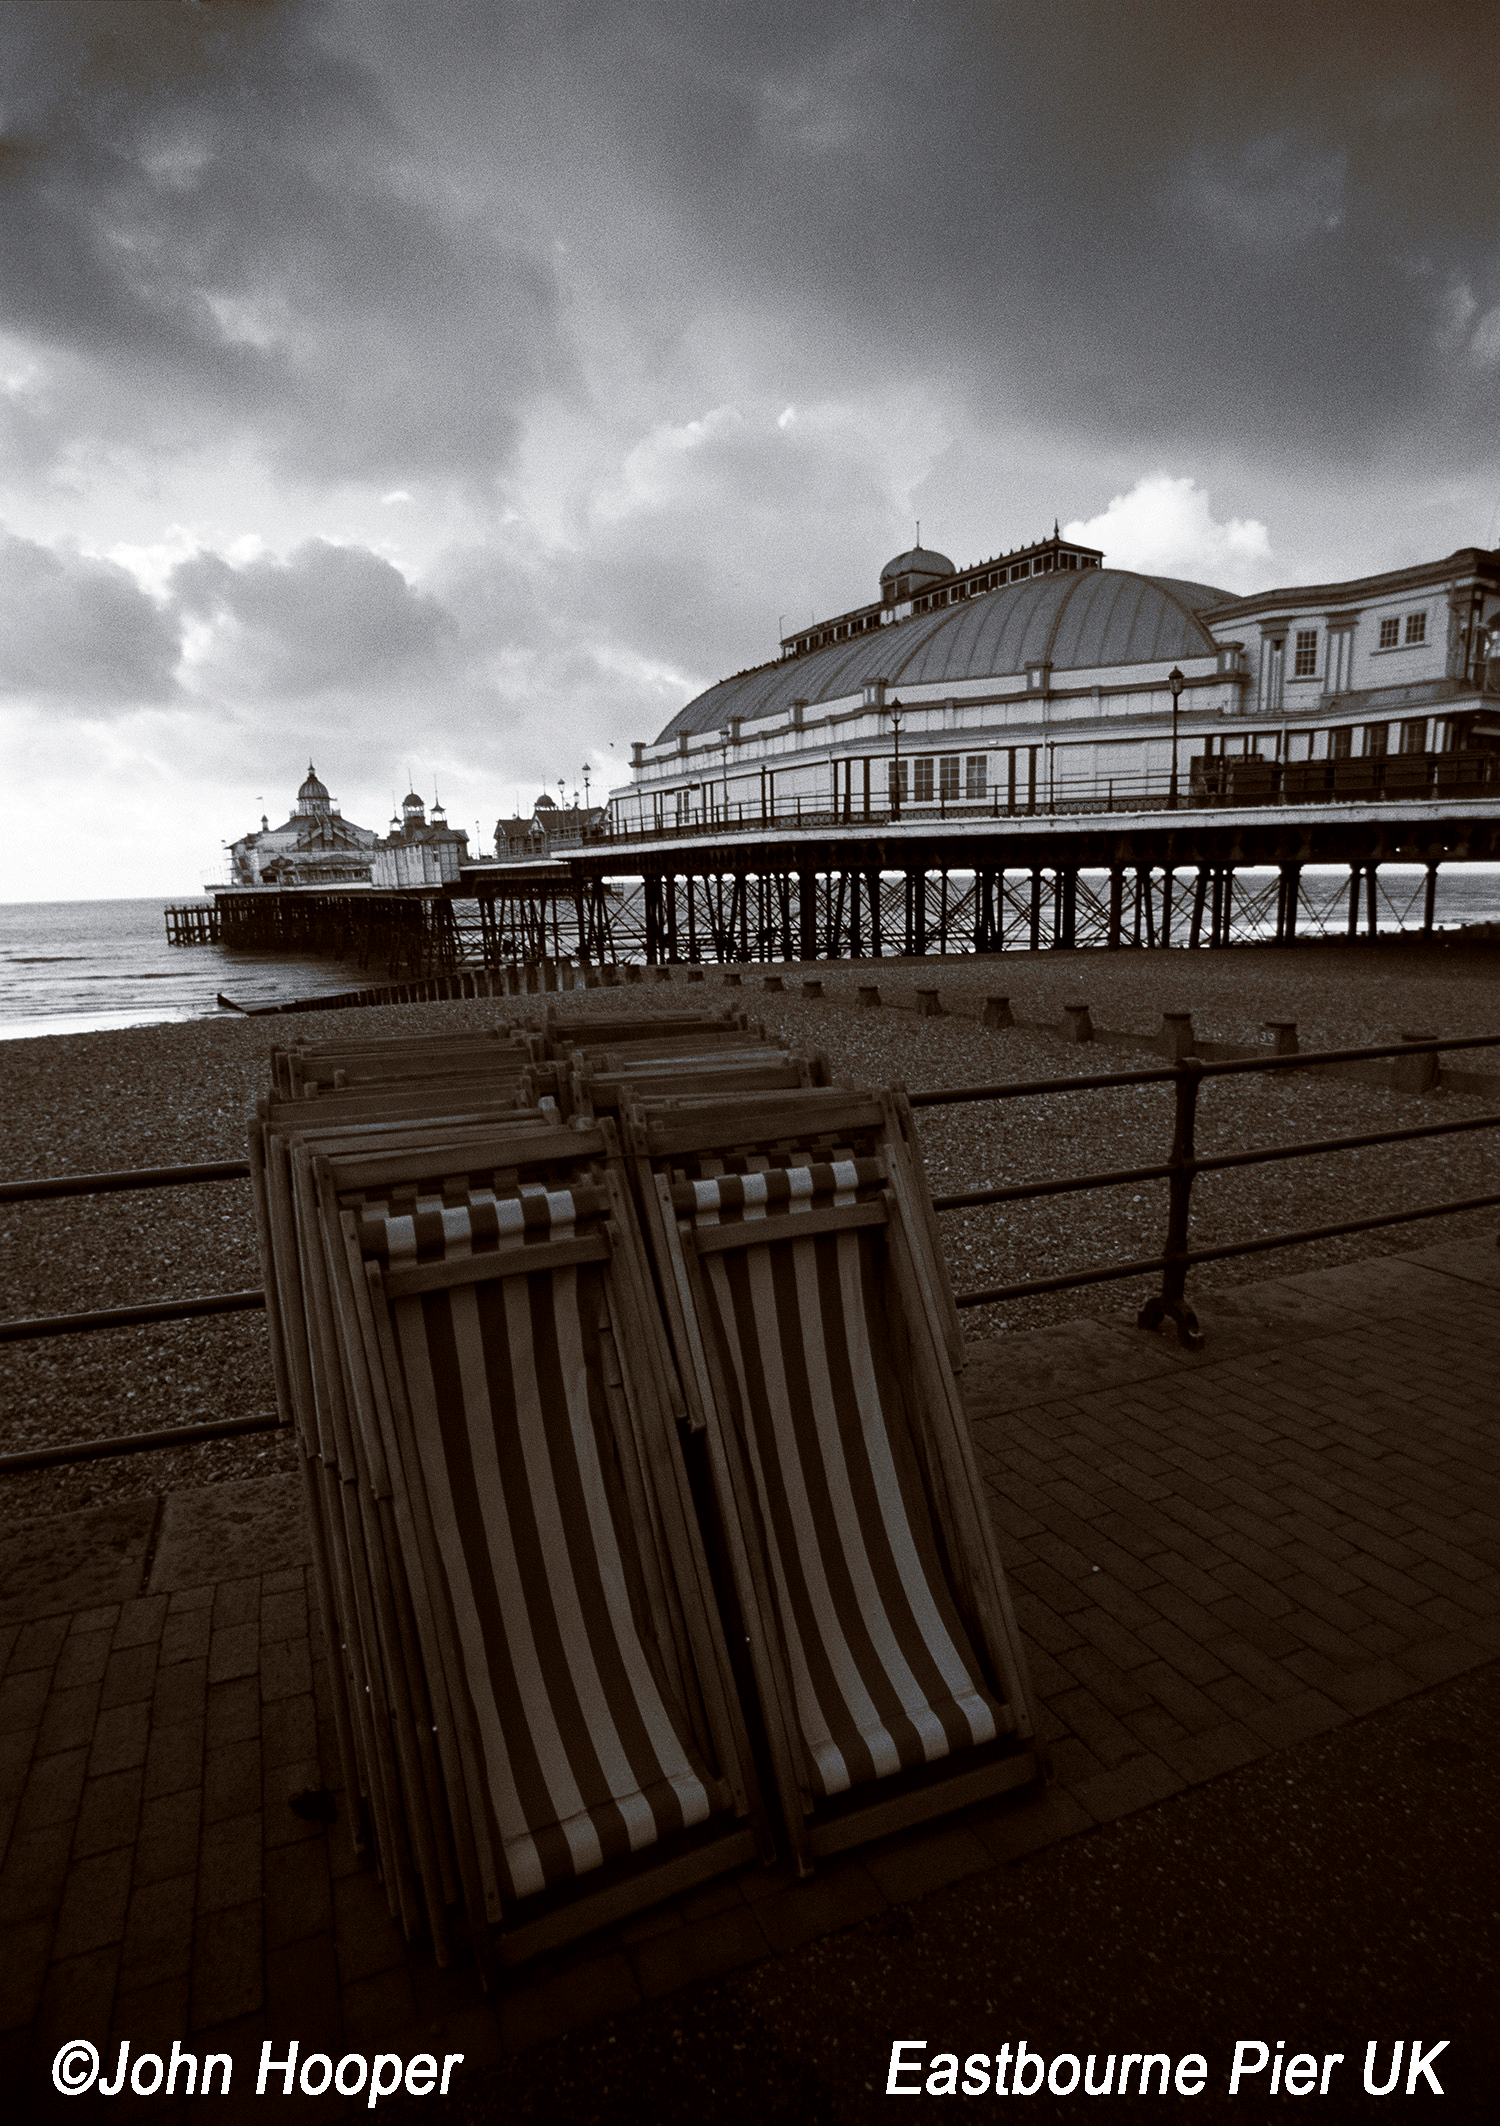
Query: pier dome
<point x="313" y="798"/>
<point x="1089" y="620"/>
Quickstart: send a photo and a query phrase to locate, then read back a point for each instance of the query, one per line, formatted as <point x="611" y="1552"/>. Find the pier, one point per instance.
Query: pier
<point x="195" y="924"/>
<point x="913" y="883"/>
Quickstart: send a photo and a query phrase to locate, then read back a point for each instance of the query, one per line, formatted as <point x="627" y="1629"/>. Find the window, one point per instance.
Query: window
<point x="1390" y="634"/>
<point x="948" y="783"/>
<point x="1414" y="736"/>
<point x="1416" y="627"/>
<point x="976" y="775"/>
<point x="896" y="778"/>
<point x="1306" y="662"/>
<point x="922" y="781"/>
<point x="1377" y="740"/>
<point x="1341" y="742"/>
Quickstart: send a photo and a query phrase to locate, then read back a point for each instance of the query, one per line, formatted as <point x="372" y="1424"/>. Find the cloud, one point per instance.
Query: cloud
<point x="1274" y="192"/>
<point x="1166" y="527"/>
<point x="214" y="223"/>
<point x="79" y="635"/>
<point x="328" y="621"/>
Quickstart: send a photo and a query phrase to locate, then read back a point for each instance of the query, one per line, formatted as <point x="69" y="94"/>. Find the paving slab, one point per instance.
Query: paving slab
<point x="75" y="1561"/>
<point x="1463" y="1258"/>
<point x="1006" y="1373"/>
<point x="224" y="1532"/>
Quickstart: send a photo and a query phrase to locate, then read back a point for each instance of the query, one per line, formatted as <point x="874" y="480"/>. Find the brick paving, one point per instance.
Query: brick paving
<point x="1213" y="1556"/>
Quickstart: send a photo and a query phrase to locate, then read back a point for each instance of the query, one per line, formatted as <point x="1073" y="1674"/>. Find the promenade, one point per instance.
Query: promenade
<point x="1216" y="1558"/>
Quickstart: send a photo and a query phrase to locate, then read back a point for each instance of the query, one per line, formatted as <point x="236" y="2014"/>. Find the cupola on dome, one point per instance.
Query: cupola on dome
<point x="917" y="561"/>
<point x="312" y="791"/>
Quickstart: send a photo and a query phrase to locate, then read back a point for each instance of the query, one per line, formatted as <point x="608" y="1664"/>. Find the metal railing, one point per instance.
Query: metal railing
<point x="1204" y="784"/>
<point x="1183" y="1165"/>
<point x="49" y="1188"/>
<point x="1179" y="1170"/>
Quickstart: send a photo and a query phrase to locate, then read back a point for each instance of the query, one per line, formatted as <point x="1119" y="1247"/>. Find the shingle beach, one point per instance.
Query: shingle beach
<point x="161" y="1095"/>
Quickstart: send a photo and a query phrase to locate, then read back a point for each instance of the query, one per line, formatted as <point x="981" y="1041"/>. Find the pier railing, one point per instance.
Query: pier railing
<point x="1177" y="1258"/>
<point x="1204" y="783"/>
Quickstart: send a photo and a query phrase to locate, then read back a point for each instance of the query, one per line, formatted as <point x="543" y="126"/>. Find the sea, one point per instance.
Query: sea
<point x="88" y="966"/>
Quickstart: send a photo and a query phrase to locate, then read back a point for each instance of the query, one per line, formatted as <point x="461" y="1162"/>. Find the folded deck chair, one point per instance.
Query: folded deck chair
<point x="348" y="1069"/>
<point x="810" y="1323"/>
<point x="376" y="1700"/>
<point x="514" y="1376"/>
<point x="563" y="1028"/>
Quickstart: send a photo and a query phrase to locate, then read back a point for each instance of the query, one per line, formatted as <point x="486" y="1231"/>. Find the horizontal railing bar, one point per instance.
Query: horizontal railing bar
<point x="947" y="1096"/>
<point x="35" y="1191"/>
<point x="1332" y="1232"/>
<point x="963" y="1199"/>
<point x="1021" y="1192"/>
<point x="97" y="1450"/>
<point x="1219" y="1161"/>
<point x="129" y="1317"/>
<point x="1147" y="1268"/>
<point x="1116" y="1271"/>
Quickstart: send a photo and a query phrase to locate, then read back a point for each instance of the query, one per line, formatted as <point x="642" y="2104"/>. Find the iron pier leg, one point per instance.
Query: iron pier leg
<point x="1116" y="904"/>
<point x="1036" y="908"/>
<point x="1370" y="907"/>
<point x="1200" y="896"/>
<point x="1354" y="871"/>
<point x="1429" y="905"/>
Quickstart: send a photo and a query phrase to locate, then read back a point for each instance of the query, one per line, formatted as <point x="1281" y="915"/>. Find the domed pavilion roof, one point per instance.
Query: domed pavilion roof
<point x="312" y="790"/>
<point x="1074" y="620"/>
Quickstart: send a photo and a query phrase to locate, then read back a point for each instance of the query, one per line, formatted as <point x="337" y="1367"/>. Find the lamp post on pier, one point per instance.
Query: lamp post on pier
<point x="1176" y="682"/>
<point x="895" y="716"/>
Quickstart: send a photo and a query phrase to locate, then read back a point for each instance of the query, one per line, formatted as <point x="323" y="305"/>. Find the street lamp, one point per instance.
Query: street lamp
<point x="1176" y="682"/>
<point x="895" y="716"/>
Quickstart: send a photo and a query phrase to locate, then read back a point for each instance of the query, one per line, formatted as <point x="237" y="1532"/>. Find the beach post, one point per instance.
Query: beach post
<point x="1415" y="1074"/>
<point x="869" y="997"/>
<point x="1076" y="1023"/>
<point x="996" y="1013"/>
<point x="1176" y="1035"/>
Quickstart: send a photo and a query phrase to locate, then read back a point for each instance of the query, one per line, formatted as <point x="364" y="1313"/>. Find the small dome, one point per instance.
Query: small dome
<point x="312" y="789"/>
<point x="917" y="561"/>
<point x="412" y="803"/>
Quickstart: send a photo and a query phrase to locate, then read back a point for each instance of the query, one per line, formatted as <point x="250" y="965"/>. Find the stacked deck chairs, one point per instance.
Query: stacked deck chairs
<point x="635" y="1461"/>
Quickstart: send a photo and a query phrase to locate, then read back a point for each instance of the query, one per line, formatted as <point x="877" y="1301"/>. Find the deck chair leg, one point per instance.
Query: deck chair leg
<point x="338" y="1675"/>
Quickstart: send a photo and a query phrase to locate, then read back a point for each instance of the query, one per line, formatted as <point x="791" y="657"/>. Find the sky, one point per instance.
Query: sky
<point x="448" y="393"/>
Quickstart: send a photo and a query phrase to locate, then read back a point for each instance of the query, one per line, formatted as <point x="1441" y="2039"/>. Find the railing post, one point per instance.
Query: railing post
<point x="1171" y="1304"/>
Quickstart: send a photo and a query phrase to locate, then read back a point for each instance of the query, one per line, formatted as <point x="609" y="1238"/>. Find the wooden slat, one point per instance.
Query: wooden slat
<point x="785" y="1225"/>
<point x="705" y="1129"/>
<point x="494" y="1262"/>
<point x="523" y="1147"/>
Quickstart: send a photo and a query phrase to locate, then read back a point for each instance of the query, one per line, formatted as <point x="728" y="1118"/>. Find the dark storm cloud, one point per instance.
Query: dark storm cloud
<point x="327" y="620"/>
<point x="212" y="220"/>
<point x="1248" y="217"/>
<point x="333" y="223"/>
<point x="78" y="634"/>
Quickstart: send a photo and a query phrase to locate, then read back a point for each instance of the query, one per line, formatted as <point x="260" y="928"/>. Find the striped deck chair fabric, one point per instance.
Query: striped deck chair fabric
<point x="884" y="1675"/>
<point x="587" y="1756"/>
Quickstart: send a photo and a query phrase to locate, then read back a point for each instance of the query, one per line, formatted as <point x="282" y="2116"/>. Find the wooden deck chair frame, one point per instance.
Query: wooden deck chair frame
<point x="816" y="1822"/>
<point x="661" y="1508"/>
<point x="378" y="1719"/>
